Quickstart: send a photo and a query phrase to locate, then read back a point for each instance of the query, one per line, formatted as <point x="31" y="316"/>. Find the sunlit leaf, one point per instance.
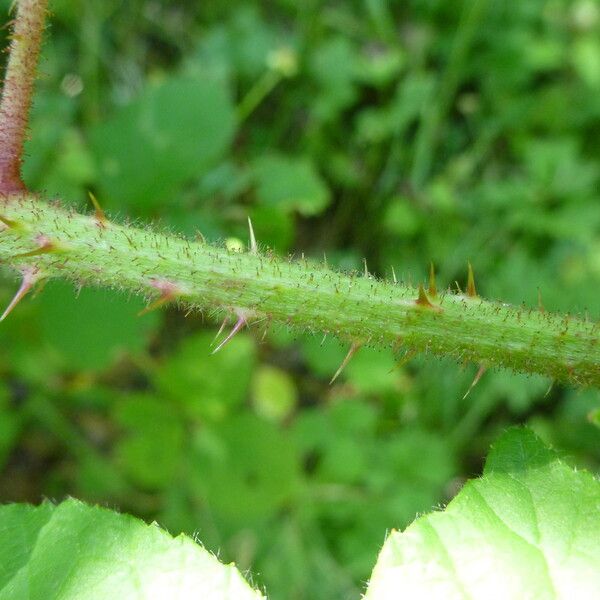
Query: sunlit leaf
<point x="77" y="552"/>
<point x="529" y="528"/>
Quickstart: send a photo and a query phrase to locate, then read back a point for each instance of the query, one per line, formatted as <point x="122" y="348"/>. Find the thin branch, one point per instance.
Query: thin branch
<point x="17" y="92"/>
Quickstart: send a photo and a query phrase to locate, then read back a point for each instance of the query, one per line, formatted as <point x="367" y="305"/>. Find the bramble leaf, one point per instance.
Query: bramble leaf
<point x="528" y="528"/>
<point x="74" y="551"/>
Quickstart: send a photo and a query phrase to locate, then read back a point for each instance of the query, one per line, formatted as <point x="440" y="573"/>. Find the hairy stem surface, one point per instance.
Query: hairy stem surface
<point x="43" y="240"/>
<point x="18" y="90"/>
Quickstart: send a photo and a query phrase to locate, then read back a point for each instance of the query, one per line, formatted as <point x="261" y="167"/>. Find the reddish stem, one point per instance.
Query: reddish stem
<point x="17" y="92"/>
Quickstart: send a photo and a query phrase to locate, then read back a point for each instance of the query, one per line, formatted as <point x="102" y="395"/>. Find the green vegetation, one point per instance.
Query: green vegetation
<point x="93" y="553"/>
<point x="427" y="131"/>
<point x="528" y="528"/>
<point x="44" y="242"/>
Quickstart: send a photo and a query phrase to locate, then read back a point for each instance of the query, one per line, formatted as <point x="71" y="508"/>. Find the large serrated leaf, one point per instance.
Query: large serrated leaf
<point x="73" y="551"/>
<point x="529" y="528"/>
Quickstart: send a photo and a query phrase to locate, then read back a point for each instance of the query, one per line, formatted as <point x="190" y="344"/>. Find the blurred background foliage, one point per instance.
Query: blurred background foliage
<point x="400" y="132"/>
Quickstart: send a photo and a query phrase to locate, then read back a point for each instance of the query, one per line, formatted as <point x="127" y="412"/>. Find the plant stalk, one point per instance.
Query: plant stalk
<point x="46" y="241"/>
<point x="17" y="92"/>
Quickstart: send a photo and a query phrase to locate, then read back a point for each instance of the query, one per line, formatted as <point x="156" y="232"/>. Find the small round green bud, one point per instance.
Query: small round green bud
<point x="283" y="60"/>
<point x="234" y="245"/>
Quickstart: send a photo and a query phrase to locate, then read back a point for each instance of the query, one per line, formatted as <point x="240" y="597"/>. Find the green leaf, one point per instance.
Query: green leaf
<point x="323" y="355"/>
<point x="52" y="114"/>
<point x="372" y="371"/>
<point x="274" y="394"/>
<point x="586" y="59"/>
<point x="152" y="451"/>
<point x="172" y="133"/>
<point x="77" y="552"/>
<point x="247" y="468"/>
<point x="333" y="67"/>
<point x="90" y="329"/>
<point x="207" y="385"/>
<point x="291" y="184"/>
<point x="274" y="227"/>
<point x="529" y="528"/>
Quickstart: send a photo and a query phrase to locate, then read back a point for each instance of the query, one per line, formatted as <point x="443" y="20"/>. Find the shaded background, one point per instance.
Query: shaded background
<point x="399" y="132"/>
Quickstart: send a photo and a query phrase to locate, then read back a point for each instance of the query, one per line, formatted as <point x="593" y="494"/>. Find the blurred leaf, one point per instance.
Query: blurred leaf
<point x="528" y="527"/>
<point x="290" y="184"/>
<point x="558" y="166"/>
<point x="247" y="468"/>
<point x="401" y="218"/>
<point x="333" y="66"/>
<point x="378" y="123"/>
<point x="311" y="430"/>
<point x="344" y="460"/>
<point x="419" y="458"/>
<point x="226" y="180"/>
<point x="207" y="386"/>
<point x="372" y="371"/>
<point x="379" y="67"/>
<point x="586" y="58"/>
<point x="90" y="552"/>
<point x="91" y="329"/>
<point x="152" y="451"/>
<point x="72" y="171"/>
<point x="99" y="479"/>
<point x="519" y="391"/>
<point x="170" y="134"/>
<point x="274" y="227"/>
<point x="576" y="426"/>
<point x="355" y="417"/>
<point x="274" y="394"/>
<point x="251" y="39"/>
<point x="594" y="417"/>
<point x="323" y="355"/>
<point x="51" y="116"/>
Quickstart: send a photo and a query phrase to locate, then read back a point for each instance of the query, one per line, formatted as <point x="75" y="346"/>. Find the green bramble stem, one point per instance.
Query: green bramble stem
<point x="46" y="241"/>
